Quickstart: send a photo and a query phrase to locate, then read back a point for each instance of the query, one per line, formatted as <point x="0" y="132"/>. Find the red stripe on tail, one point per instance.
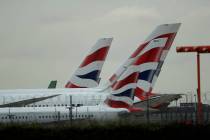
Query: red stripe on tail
<point x="152" y="55"/>
<point x="127" y="80"/>
<point x="98" y="55"/>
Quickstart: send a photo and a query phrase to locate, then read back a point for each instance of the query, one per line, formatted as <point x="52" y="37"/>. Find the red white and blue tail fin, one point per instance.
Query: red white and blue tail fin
<point x="87" y="75"/>
<point x="152" y="57"/>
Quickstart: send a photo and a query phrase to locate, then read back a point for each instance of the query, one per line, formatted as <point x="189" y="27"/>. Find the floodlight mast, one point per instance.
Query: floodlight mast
<point x="198" y="50"/>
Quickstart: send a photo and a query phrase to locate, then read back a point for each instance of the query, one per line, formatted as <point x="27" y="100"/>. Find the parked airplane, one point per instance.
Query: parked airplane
<point x="119" y="101"/>
<point x="151" y="52"/>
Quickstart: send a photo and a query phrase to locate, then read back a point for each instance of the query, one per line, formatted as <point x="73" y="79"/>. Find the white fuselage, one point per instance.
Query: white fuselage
<point x="80" y="96"/>
<point x="54" y="114"/>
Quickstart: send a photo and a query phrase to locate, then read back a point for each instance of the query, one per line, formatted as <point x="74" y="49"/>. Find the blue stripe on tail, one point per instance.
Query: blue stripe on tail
<point x="127" y="93"/>
<point x="94" y="75"/>
<point x="147" y="75"/>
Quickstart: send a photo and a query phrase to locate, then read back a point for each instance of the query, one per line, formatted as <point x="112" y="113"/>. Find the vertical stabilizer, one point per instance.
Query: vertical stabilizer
<point x="88" y="73"/>
<point x="52" y="84"/>
<point x="151" y="55"/>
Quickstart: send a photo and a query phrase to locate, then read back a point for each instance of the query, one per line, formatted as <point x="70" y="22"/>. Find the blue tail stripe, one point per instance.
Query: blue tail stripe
<point x="127" y="93"/>
<point x="147" y="75"/>
<point x="94" y="75"/>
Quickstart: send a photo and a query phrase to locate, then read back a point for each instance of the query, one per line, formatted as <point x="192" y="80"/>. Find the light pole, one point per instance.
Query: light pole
<point x="191" y="97"/>
<point x="176" y="110"/>
<point x="186" y="98"/>
<point x="70" y="109"/>
<point x="148" y="117"/>
<point x="198" y="50"/>
<point x="205" y="95"/>
<point x="195" y="105"/>
<point x="195" y="99"/>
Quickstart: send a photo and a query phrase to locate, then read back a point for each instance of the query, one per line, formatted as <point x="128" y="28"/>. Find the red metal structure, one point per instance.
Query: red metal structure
<point x="198" y="50"/>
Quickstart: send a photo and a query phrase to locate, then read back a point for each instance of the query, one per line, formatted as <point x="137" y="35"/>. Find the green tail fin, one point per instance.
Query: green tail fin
<point x="52" y="84"/>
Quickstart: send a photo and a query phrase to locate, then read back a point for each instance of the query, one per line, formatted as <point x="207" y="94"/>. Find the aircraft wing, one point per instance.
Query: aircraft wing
<point x="26" y="102"/>
<point x="158" y="102"/>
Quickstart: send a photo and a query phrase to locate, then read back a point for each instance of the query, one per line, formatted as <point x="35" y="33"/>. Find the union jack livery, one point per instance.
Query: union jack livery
<point x="151" y="55"/>
<point x="87" y="75"/>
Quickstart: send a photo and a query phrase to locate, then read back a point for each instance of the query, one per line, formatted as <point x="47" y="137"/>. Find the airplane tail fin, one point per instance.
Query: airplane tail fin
<point x="52" y="84"/>
<point x="152" y="57"/>
<point x="87" y="75"/>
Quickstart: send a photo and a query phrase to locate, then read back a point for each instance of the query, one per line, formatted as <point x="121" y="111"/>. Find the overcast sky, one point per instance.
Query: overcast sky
<point x="43" y="40"/>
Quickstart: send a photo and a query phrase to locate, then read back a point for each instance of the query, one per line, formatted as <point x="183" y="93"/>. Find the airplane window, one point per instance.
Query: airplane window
<point x="43" y="105"/>
<point x="47" y="105"/>
<point x="2" y="117"/>
<point x="49" y="116"/>
<point x="40" y="117"/>
<point x="39" y="105"/>
<point x="46" y="117"/>
<point x="54" y="105"/>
